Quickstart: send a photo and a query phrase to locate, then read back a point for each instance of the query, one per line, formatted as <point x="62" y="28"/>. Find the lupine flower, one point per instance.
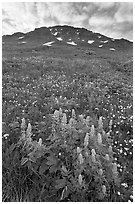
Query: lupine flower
<point x="93" y="155"/>
<point x="80" y="158"/>
<point x="80" y="179"/>
<point x="56" y="115"/>
<point x="100" y="172"/>
<point x="23" y="124"/>
<point x="99" y="139"/>
<point x="100" y="123"/>
<point x="104" y="189"/>
<point x="86" y="140"/>
<point x="64" y="119"/>
<point x="60" y="111"/>
<point x="107" y="157"/>
<point x="71" y="122"/>
<point x="29" y="129"/>
<point x="73" y="114"/>
<point x="92" y="132"/>
<point x="78" y="150"/>
<point x="110" y="149"/>
<point x="87" y="120"/>
<point x="110" y="124"/>
<point x="114" y="169"/>
<point x="93" y="152"/>
<point x="40" y="141"/>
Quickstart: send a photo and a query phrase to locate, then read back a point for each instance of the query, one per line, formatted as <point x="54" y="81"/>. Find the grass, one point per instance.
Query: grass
<point x="34" y="86"/>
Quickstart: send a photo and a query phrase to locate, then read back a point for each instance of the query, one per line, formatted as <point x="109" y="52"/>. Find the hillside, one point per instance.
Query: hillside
<point x="85" y="77"/>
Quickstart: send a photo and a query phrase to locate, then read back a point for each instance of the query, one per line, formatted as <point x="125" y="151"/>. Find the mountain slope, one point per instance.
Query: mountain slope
<point x="66" y="36"/>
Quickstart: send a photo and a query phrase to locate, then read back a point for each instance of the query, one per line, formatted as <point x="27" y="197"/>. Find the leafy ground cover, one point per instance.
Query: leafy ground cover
<point x="34" y="87"/>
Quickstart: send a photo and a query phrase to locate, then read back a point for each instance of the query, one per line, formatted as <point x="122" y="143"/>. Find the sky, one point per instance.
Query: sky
<point x="113" y="19"/>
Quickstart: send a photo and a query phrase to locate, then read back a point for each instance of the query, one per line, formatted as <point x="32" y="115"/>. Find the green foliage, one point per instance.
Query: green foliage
<point x="75" y="143"/>
<point x="78" y="159"/>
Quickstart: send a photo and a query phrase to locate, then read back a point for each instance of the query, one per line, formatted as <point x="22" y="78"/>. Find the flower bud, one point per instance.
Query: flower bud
<point x="80" y="179"/>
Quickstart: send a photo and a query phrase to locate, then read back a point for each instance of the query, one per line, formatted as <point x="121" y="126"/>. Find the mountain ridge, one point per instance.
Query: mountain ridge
<point x="65" y="35"/>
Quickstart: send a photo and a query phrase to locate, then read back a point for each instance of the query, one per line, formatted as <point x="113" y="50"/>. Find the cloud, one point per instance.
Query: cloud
<point x="109" y="18"/>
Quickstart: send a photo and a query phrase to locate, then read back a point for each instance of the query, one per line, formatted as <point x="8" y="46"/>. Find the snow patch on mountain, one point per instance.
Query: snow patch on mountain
<point x="59" y="38"/>
<point x="49" y="43"/>
<point x="106" y="41"/>
<point x="91" y="41"/>
<point x="23" y="42"/>
<point x="112" y="49"/>
<point x="21" y="37"/>
<point x="71" y="43"/>
<point x="55" y="33"/>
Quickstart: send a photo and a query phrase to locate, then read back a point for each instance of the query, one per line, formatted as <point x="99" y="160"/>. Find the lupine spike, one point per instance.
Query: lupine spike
<point x="93" y="152"/>
<point x="64" y="119"/>
<point x="80" y="158"/>
<point x="60" y="111"/>
<point x="110" y="124"/>
<point x="78" y="150"/>
<point x="100" y="172"/>
<point x="100" y="123"/>
<point x="114" y="169"/>
<point x="29" y="129"/>
<point x="107" y="157"/>
<point x="40" y="141"/>
<point x="86" y="140"/>
<point x="110" y="149"/>
<point x="23" y="124"/>
<point x="71" y="122"/>
<point x="73" y="114"/>
<point x="92" y="132"/>
<point x="56" y="115"/>
<point x="93" y="155"/>
<point x="80" y="179"/>
<point x="87" y="120"/>
<point x="99" y="139"/>
<point x="104" y="189"/>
